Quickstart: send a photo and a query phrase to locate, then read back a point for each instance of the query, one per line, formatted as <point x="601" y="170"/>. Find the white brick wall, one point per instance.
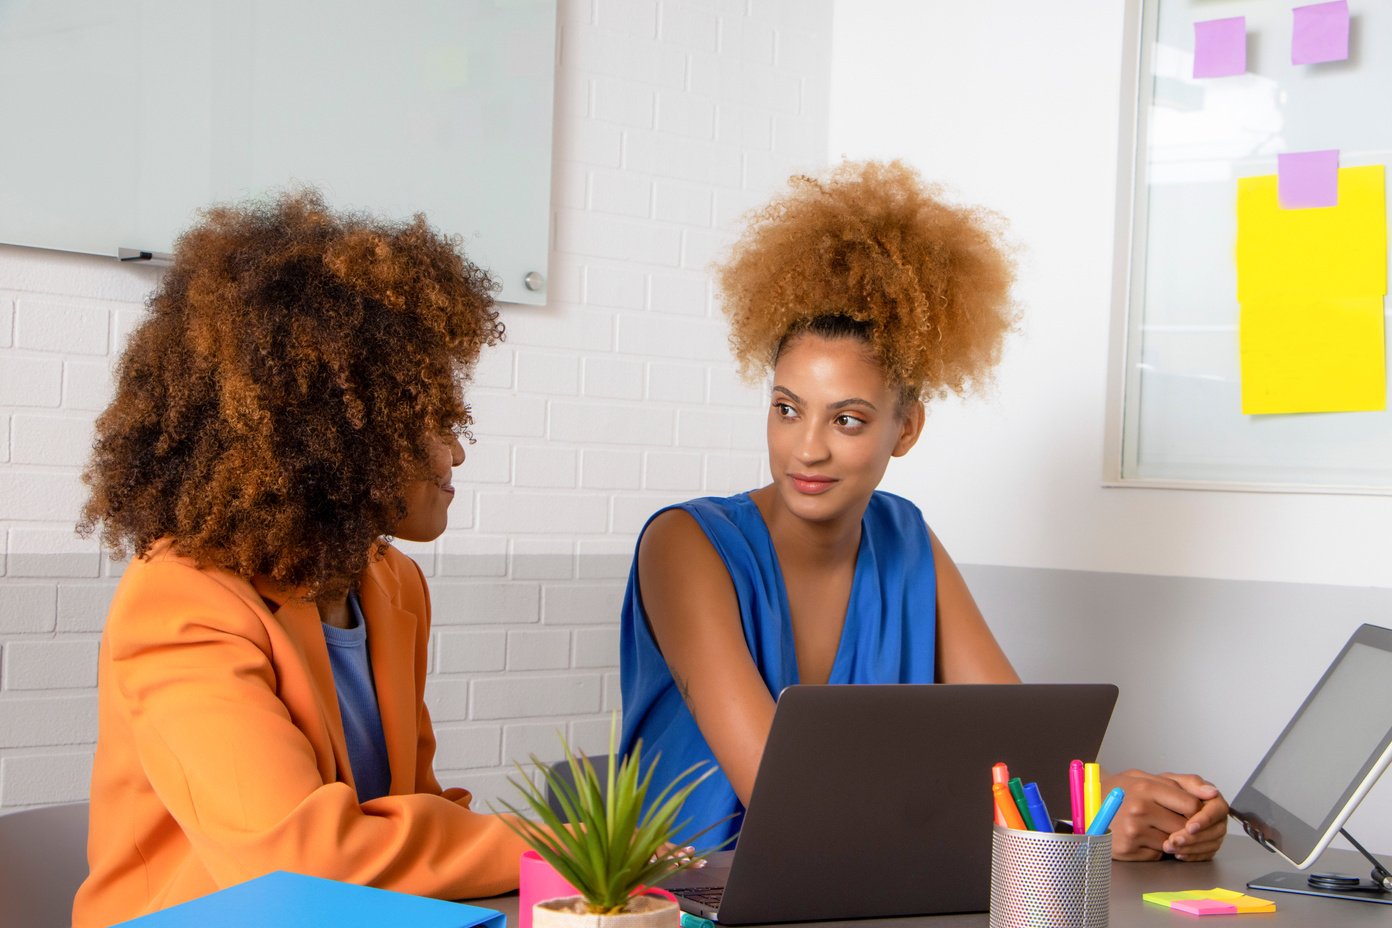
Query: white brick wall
<point x="673" y="117"/>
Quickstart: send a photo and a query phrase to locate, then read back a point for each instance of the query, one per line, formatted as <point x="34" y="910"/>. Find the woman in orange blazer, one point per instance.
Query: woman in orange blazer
<point x="291" y="402"/>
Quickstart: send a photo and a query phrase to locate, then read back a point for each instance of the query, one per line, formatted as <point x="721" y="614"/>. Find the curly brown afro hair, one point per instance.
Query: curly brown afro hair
<point x="275" y="405"/>
<point x="872" y="252"/>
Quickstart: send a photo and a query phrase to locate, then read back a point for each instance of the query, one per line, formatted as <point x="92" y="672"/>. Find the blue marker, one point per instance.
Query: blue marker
<point x="695" y="921"/>
<point x="1039" y="813"/>
<point x="1107" y="812"/>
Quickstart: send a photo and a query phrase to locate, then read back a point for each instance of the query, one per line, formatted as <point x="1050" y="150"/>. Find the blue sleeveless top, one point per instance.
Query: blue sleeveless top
<point x="888" y="636"/>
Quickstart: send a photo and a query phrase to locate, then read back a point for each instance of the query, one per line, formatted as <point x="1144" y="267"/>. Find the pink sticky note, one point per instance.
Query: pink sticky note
<point x="1321" y="33"/>
<point x="1220" y="47"/>
<point x="1203" y="907"/>
<point x="1307" y="178"/>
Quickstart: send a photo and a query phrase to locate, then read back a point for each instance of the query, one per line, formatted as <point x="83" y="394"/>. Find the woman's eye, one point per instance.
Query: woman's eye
<point x="784" y="410"/>
<point x="849" y="422"/>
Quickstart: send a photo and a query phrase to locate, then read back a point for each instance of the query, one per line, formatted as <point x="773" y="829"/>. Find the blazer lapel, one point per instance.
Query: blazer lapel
<point x="300" y="619"/>
<point x="391" y="645"/>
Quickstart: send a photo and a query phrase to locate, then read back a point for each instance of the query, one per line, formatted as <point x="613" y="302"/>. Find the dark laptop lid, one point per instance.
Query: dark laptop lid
<point x="876" y="800"/>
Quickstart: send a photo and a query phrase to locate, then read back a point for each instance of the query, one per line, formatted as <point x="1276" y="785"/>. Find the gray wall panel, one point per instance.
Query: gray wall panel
<point x="1210" y="671"/>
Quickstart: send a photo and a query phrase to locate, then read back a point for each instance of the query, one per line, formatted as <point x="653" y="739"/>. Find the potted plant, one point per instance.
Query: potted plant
<point x="613" y="844"/>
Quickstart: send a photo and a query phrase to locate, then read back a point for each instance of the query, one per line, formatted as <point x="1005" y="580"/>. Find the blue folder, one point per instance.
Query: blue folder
<point x="289" y="900"/>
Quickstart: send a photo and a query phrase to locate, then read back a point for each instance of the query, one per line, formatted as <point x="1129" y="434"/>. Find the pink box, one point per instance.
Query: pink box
<point x="537" y="882"/>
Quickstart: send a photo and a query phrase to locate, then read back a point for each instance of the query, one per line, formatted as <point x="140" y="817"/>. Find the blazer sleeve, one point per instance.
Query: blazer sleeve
<point x="195" y="667"/>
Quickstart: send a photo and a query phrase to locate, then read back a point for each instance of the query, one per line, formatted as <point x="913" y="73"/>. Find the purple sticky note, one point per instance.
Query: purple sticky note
<point x="1220" y="47"/>
<point x="1321" y="33"/>
<point x="1203" y="907"/>
<point x="1307" y="178"/>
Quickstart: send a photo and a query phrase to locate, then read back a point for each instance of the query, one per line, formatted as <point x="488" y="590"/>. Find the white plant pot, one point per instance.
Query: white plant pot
<point x="642" y="912"/>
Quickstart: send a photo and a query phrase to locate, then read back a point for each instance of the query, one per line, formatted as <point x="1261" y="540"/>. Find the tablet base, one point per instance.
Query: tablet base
<point x="1290" y="881"/>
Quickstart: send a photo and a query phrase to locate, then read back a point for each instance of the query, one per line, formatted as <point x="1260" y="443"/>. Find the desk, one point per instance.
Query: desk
<point x="1240" y="860"/>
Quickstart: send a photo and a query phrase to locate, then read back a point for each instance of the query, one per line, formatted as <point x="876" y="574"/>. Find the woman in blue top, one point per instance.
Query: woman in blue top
<point x="864" y="294"/>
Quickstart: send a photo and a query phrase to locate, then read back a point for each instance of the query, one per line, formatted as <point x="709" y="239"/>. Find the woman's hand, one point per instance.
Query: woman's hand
<point x="681" y="857"/>
<point x="1168" y="813"/>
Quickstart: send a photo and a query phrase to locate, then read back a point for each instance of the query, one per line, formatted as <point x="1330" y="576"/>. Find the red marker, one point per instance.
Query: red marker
<point x="1000" y="773"/>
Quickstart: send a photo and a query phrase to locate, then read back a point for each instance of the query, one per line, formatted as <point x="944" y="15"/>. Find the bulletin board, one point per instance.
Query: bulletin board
<point x="123" y="119"/>
<point x="1186" y="356"/>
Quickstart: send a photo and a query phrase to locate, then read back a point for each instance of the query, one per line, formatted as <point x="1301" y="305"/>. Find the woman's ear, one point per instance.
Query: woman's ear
<point x="910" y="427"/>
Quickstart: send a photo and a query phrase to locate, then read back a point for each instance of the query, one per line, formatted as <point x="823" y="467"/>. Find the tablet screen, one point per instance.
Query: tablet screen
<point x="1335" y="743"/>
<point x="1328" y="743"/>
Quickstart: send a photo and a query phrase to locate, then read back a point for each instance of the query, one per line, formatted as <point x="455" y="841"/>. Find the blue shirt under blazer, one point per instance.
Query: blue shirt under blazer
<point x="888" y="637"/>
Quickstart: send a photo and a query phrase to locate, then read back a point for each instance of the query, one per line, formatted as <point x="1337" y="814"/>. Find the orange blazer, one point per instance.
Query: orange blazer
<point x="221" y="754"/>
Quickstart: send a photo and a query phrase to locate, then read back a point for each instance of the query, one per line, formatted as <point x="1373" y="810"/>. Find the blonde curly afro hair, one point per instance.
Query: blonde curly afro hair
<point x="874" y="253"/>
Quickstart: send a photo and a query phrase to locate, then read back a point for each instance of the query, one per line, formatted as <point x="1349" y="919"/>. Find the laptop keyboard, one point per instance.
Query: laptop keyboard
<point x="706" y="895"/>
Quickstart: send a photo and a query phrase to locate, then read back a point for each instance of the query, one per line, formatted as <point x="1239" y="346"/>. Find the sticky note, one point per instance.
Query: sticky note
<point x="1220" y="47"/>
<point x="1335" y="252"/>
<point x="1306" y="354"/>
<point x="1308" y="179"/>
<point x="1203" y="907"/>
<point x="1310" y="287"/>
<point x="1216" y="901"/>
<point x="1224" y="895"/>
<point x="1320" y="33"/>
<point x="1166" y="898"/>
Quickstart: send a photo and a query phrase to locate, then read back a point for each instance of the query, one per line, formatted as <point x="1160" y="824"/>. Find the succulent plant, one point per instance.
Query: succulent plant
<point x="612" y="841"/>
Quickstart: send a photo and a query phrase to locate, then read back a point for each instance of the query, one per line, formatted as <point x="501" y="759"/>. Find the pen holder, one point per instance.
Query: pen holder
<point x="1045" y="880"/>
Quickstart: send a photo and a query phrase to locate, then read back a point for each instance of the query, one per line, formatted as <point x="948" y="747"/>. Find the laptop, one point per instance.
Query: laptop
<point x="875" y="801"/>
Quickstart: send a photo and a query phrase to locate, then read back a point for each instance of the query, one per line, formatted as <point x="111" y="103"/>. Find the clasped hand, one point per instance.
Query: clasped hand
<point x="1167" y="813"/>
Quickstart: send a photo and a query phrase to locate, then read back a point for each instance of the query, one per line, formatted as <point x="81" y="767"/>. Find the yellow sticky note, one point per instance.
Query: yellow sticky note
<point x="1166" y="898"/>
<point x="1243" y="902"/>
<point x="1225" y="895"/>
<point x="1327" y="251"/>
<point x="1312" y="354"/>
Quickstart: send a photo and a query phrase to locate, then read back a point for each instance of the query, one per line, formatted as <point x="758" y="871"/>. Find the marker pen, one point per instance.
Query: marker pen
<point x="1092" y="790"/>
<point x="1103" y="819"/>
<point x="1017" y="790"/>
<point x="1005" y="805"/>
<point x="1038" y="811"/>
<point x="1075" y="794"/>
<point x="1000" y="773"/>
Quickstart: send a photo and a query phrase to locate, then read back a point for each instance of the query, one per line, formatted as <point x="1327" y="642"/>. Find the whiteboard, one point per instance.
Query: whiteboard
<point x="1175" y="400"/>
<point x="121" y="120"/>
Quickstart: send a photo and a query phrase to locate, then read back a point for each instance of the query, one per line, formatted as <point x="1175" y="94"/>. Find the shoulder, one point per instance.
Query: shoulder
<point x="680" y="548"/>
<point x="165" y="596"/>
<point x="895" y="513"/>
<point x="695" y="524"/>
<point x="672" y="531"/>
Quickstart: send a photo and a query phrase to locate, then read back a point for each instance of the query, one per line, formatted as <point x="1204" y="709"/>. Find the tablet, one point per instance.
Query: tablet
<point x="1328" y="757"/>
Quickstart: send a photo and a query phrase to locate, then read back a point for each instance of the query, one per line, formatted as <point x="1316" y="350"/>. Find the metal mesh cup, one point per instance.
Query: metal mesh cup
<point x="1043" y="880"/>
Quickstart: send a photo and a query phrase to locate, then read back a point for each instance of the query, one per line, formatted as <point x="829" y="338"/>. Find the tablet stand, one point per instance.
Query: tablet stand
<point x="1332" y="885"/>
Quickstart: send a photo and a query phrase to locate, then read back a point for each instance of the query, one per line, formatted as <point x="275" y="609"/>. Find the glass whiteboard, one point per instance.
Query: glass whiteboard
<point x="1175" y="414"/>
<point x="122" y="119"/>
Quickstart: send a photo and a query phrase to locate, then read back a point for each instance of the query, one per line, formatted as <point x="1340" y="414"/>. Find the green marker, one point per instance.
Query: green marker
<point x="1017" y="790"/>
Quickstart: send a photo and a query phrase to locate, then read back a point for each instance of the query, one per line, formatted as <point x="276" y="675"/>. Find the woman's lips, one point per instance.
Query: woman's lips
<point x="811" y="484"/>
<point x="447" y="488"/>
